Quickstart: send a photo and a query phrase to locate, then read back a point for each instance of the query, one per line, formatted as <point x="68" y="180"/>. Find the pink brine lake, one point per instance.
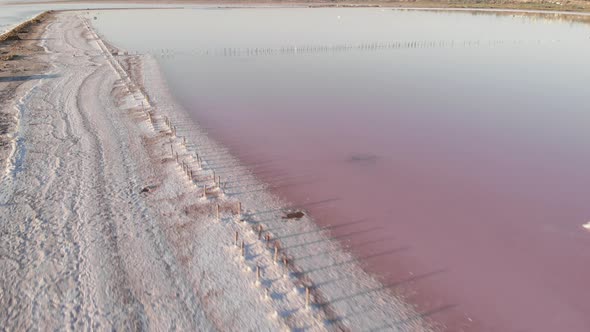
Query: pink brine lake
<point x="449" y="151"/>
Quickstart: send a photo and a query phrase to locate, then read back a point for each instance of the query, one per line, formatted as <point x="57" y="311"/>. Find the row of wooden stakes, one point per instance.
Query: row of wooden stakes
<point x="276" y="245"/>
<point x="241" y="245"/>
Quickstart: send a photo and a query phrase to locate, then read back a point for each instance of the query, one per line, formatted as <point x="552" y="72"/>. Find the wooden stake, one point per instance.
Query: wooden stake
<point x="285" y="266"/>
<point x="307" y="296"/>
<point x="276" y="252"/>
<point x="177" y="157"/>
<point x="243" y="249"/>
<point x="217" y="212"/>
<point x="259" y="231"/>
<point x="172" y="149"/>
<point x="257" y="274"/>
<point x="236" y="239"/>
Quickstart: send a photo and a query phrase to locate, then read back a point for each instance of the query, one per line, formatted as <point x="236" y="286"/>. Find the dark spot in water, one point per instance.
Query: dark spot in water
<point x="294" y="215"/>
<point x="362" y="158"/>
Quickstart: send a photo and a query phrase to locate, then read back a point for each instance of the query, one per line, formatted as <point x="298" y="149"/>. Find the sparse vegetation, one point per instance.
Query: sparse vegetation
<point x="9" y="57"/>
<point x="23" y="28"/>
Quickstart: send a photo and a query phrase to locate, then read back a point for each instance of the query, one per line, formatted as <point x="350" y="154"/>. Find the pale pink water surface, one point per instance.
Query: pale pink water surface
<point x="462" y="139"/>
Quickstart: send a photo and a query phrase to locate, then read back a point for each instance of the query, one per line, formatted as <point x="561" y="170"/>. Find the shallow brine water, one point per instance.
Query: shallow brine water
<point x="448" y="149"/>
<point x="15" y="12"/>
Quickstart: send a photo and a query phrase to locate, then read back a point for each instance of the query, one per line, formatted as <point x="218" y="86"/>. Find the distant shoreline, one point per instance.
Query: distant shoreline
<point x="575" y="6"/>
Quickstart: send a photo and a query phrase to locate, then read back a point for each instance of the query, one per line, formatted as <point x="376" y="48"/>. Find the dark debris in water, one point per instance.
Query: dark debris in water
<point x="294" y="215"/>
<point x="362" y="158"/>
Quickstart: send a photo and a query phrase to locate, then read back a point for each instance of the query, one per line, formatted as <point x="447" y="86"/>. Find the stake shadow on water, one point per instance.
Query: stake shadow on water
<point x="326" y="228"/>
<point x="387" y="325"/>
<point x="421" y="315"/>
<point x="398" y="323"/>
<point x="336" y="250"/>
<point x="358" y="259"/>
<point x="247" y="165"/>
<point x="385" y="287"/>
<point x="274" y="186"/>
<point x="273" y="183"/>
<point x="256" y="183"/>
<point x="333" y="238"/>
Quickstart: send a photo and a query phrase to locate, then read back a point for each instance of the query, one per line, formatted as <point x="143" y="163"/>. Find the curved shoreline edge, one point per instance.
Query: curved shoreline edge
<point x="146" y="79"/>
<point x="103" y="228"/>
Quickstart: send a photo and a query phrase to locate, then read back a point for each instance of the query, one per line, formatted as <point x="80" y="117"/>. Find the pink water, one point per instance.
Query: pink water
<point x="472" y="156"/>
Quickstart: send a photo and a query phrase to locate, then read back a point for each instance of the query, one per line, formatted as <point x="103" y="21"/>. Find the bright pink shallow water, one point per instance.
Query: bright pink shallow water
<point x="474" y="158"/>
<point x="493" y="225"/>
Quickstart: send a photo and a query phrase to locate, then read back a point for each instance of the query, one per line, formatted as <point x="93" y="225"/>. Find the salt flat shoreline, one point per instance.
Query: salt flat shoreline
<point x="102" y="228"/>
